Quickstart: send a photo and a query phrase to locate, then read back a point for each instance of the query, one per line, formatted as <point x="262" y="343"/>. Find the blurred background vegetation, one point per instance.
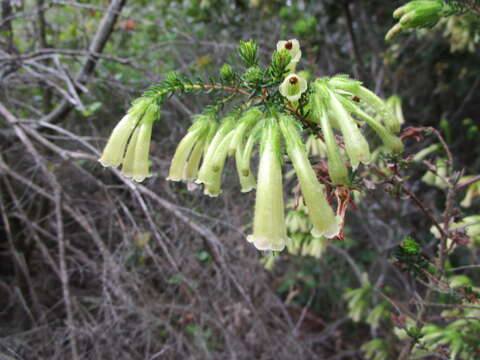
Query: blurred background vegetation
<point x="95" y="267"/>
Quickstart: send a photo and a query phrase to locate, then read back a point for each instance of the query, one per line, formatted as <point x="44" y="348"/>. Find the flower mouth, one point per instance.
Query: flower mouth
<point x="288" y="45"/>
<point x="293" y="80"/>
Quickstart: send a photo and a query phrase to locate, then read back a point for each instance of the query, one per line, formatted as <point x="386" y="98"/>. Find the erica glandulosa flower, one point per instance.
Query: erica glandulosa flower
<point x="325" y="222"/>
<point x="269" y="230"/>
<point x="293" y="87"/>
<point x="129" y="143"/>
<point x="292" y="47"/>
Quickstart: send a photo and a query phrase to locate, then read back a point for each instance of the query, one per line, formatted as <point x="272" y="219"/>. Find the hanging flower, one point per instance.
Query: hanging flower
<point x="134" y="130"/>
<point x="293" y="48"/>
<point x="210" y="173"/>
<point x="324" y="221"/>
<point x="269" y="230"/>
<point x="186" y="160"/>
<point x="293" y="87"/>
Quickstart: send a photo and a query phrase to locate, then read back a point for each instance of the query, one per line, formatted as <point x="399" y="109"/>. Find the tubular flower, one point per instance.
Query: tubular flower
<point x="293" y="87"/>
<point x="368" y="98"/>
<point x="269" y="230"/>
<point x="293" y="48"/>
<point x="336" y="165"/>
<point x="325" y="222"/>
<point x="395" y="104"/>
<point x="245" y="123"/>
<point x="355" y="144"/>
<point x="210" y="173"/>
<point x="134" y="130"/>
<point x="184" y="165"/>
<point x="417" y="14"/>
<point x="391" y="141"/>
<point x="242" y="158"/>
<point x="473" y="191"/>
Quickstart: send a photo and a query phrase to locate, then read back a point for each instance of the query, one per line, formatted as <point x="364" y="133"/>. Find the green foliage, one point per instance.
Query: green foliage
<point x="408" y="258"/>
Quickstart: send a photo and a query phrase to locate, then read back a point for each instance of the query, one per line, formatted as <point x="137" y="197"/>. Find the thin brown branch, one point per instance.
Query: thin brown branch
<point x="98" y="43"/>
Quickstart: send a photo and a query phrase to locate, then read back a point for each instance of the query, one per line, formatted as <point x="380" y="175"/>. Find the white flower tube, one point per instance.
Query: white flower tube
<point x="269" y="230"/>
<point x="325" y="222"/>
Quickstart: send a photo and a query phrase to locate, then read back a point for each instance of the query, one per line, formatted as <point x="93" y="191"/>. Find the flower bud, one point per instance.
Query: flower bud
<point x="324" y="221"/>
<point x="269" y="230"/>
<point x="227" y="73"/>
<point x="293" y="87"/>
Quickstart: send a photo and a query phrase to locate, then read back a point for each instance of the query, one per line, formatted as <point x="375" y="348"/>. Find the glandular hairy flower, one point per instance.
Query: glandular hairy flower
<point x="391" y="141"/>
<point x="269" y="230"/>
<point x="473" y="191"/>
<point x="324" y="221"/>
<point x="355" y="144"/>
<point x="245" y="123"/>
<point x="367" y="98"/>
<point x="394" y="102"/>
<point x="134" y="130"/>
<point x="416" y="14"/>
<point x="136" y="163"/>
<point x="336" y="165"/>
<point x="187" y="152"/>
<point x="293" y="87"/>
<point x="293" y="48"/>
<point x="210" y="173"/>
<point x="243" y="157"/>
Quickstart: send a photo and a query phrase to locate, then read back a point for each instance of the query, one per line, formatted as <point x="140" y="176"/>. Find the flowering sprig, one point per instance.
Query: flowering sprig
<point x="270" y="121"/>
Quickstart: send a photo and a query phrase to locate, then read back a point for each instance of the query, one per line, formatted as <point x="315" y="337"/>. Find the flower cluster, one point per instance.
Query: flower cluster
<point x="129" y="143"/>
<point x="273" y="123"/>
<point x="417" y="14"/>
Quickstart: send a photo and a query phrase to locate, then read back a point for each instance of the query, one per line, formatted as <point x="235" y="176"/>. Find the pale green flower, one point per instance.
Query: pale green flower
<point x="114" y="151"/>
<point x="293" y="48"/>
<point x="269" y="230"/>
<point x="189" y="151"/>
<point x="135" y="129"/>
<point x="136" y="163"/>
<point x="243" y="155"/>
<point x="336" y="165"/>
<point x="247" y="121"/>
<point x="292" y="87"/>
<point x="323" y="219"/>
<point x="473" y="191"/>
<point x="210" y="173"/>
<point x="355" y="144"/>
